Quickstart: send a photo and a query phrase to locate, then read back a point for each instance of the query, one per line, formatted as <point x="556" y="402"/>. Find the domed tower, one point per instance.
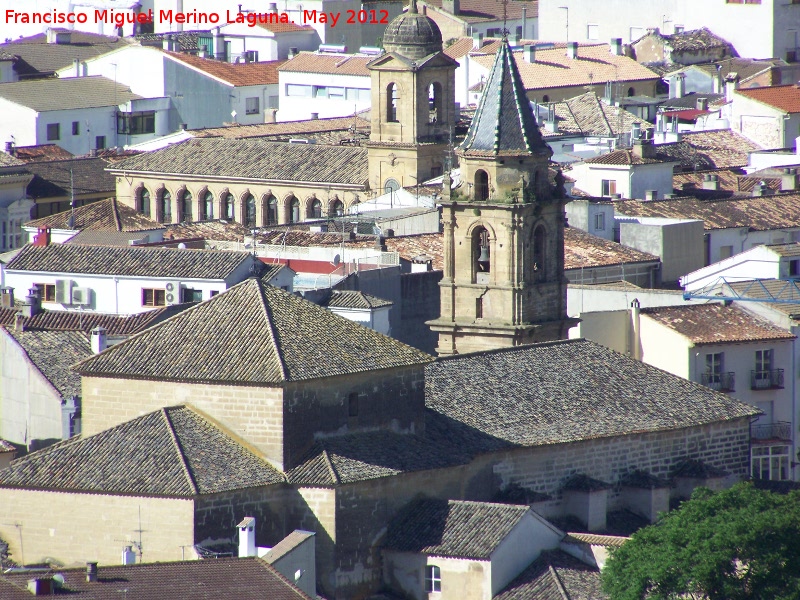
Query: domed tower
<point x="503" y="283"/>
<point x="413" y="103"/>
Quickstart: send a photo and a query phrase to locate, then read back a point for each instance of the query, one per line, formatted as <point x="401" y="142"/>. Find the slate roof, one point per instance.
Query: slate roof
<point x="104" y="215"/>
<point x="623" y="156"/>
<point x="582" y="249"/>
<point x="129" y="262"/>
<point x="255" y="159"/>
<point x="169" y="452"/>
<point x="716" y="324"/>
<point x="287" y="130"/>
<point x="329" y="64"/>
<point x="299" y="341"/>
<point x="453" y="528"/>
<point x="569" y="391"/>
<point x="555" y="575"/>
<point x="53" y="353"/>
<point x="760" y="213"/>
<point x="503" y="123"/>
<point x="52" y="178"/>
<point x="243" y="74"/>
<point x="703" y="150"/>
<point x="785" y="98"/>
<point x="354" y="299"/>
<point x="44" y="95"/>
<point x="240" y="578"/>
<point x="479" y="11"/>
<point x="594" y="65"/>
<point x="587" y="114"/>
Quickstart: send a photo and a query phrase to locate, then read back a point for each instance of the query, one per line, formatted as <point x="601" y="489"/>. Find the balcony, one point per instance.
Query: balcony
<point x="722" y="382"/>
<point x="766" y="380"/>
<point x="779" y="430"/>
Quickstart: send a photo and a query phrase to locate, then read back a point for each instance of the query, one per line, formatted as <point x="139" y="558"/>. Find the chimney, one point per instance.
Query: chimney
<point x="680" y="86"/>
<point x="273" y="7"/>
<point x="70" y="417"/>
<point x="202" y="52"/>
<point x="616" y="46"/>
<point x="716" y="82"/>
<point x="76" y="66"/>
<point x="477" y="41"/>
<point x="788" y="184"/>
<point x="702" y="104"/>
<point x="452" y="6"/>
<point x="637" y="342"/>
<point x="711" y="182"/>
<point x="11" y="148"/>
<point x="33" y="303"/>
<point x="99" y="340"/>
<point x="41" y="586"/>
<point x="91" y="572"/>
<point x="314" y="116"/>
<point x="247" y="537"/>
<point x="166" y="43"/>
<point x="650" y="195"/>
<point x="572" y="49"/>
<point x="6" y="297"/>
<point x="731" y="82"/>
<point x="380" y="244"/>
<point x="58" y="37"/>
<point x="760" y="189"/>
<point x="219" y="44"/>
<point x="524" y="21"/>
<point x="19" y="322"/>
<point x="529" y="52"/>
<point x="128" y="556"/>
<point x="42" y="237"/>
<point x="643" y="148"/>
<point x="271" y="115"/>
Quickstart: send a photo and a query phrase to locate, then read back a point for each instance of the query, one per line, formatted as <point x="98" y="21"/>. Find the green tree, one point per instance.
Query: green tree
<point x="742" y="543"/>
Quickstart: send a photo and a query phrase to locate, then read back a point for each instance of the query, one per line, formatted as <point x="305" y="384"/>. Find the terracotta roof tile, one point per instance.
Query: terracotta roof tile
<point x="623" y="156"/>
<point x="783" y="97"/>
<point x="289" y="129"/>
<point x="242" y="74"/>
<point x="613" y="541"/>
<point x="478" y="11"/>
<point x="284" y="27"/>
<point x="6" y="160"/>
<point x="716" y="324"/>
<point x="7" y="446"/>
<point x="704" y="150"/>
<point x="331" y="64"/>
<point x="52" y="178"/>
<point x="587" y="114"/>
<point x="41" y="152"/>
<point x="354" y="299"/>
<point x="105" y="215"/>
<point x="584" y="250"/>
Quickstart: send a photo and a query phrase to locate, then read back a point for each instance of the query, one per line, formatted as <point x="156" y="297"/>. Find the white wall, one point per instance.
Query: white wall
<point x="296" y="108"/>
<point x="756" y="263"/>
<point x="377" y="319"/>
<point x="7" y="72"/>
<point x="763" y="124"/>
<point x="741" y="238"/>
<point x="591" y="298"/>
<point x="664" y="348"/>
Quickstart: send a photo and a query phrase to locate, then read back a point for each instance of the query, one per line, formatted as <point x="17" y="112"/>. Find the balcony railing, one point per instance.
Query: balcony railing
<point x="722" y="382"/>
<point x="766" y="380"/>
<point x="779" y="430"/>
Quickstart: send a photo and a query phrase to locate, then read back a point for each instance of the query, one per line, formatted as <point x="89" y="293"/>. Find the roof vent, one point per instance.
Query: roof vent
<point x="572" y="49"/>
<point x="91" y="572"/>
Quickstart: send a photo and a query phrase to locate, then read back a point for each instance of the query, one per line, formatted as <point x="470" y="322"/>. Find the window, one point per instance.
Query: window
<point x="190" y="295"/>
<point x="166" y="207"/>
<point x="479" y="308"/>
<point x="293" y="89"/>
<point x="53" y="132"/>
<point x="337" y="208"/>
<point x="357" y="95"/>
<point x="609" y="187"/>
<point x="592" y="32"/>
<point x="320" y="91"/>
<point x="679" y="28"/>
<point x="250" y="211"/>
<point x="392" y="96"/>
<point x="47" y="290"/>
<point x="315" y="210"/>
<point x="714" y="367"/>
<point x="725" y="252"/>
<point x="99" y="142"/>
<point x="186" y="206"/>
<point x="481" y="255"/>
<point x="481" y="185"/>
<point x="434" y="102"/>
<point x="76" y="128"/>
<point x="539" y="244"/>
<point x="152" y="297"/>
<point x="631" y="92"/>
<point x="294" y="210"/>
<point x="230" y="210"/>
<point x="763" y="363"/>
<point x="144" y="202"/>
<point x="391" y="186"/>
<point x="433" y="579"/>
<point x="208" y="206"/>
<point x="251" y="106"/>
<point x="272" y="211"/>
<point x="794" y="268"/>
<point x="352" y="405"/>
<point x="137" y="122"/>
<point x="769" y="462"/>
<point x="600" y="222"/>
<point x="337" y="93"/>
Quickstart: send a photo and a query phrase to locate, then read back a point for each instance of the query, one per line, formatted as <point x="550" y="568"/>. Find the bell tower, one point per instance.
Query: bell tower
<point x="413" y="103"/>
<point x="503" y="282"/>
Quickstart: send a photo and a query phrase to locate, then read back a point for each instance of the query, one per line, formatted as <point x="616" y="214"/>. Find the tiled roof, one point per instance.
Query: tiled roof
<point x="284" y="27"/>
<point x="695" y="40"/>
<point x="731" y="181"/>
<point x="783" y="97"/>
<point x="63" y="320"/>
<point x="289" y="129"/>
<point x="354" y="299"/>
<point x="169" y="452"/>
<point x="41" y="152"/>
<point x="478" y="11"/>
<point x="587" y="114"/>
<point x="760" y="213"/>
<point x="255" y="159"/>
<point x="129" y="262"/>
<point x="298" y="340"/>
<point x="716" y="324"/>
<point x="582" y="249"/>
<point x="108" y="237"/>
<point x="453" y="528"/>
<point x="104" y="215"/>
<point x="767" y="289"/>
<point x="287" y="544"/>
<point x="610" y="541"/>
<point x="790" y="250"/>
<point x="44" y="95"/>
<point x="703" y="150"/>
<point x="240" y="578"/>
<point x="6" y="160"/>
<point x="217" y="230"/>
<point x="257" y="73"/>
<point x="555" y="575"/>
<point x="569" y="391"/>
<point x="595" y="64"/>
<point x="7" y="446"/>
<point x="503" y="123"/>
<point x="623" y="156"/>
<point x="330" y="64"/>
<point x="52" y="178"/>
<point x="583" y="483"/>
<point x="53" y="353"/>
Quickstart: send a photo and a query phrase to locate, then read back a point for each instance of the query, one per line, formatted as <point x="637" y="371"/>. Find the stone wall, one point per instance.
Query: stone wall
<point x="73" y="528"/>
<point x="420" y="302"/>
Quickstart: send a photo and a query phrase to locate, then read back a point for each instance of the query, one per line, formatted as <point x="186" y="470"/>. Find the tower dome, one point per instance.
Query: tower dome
<point x="412" y="35"/>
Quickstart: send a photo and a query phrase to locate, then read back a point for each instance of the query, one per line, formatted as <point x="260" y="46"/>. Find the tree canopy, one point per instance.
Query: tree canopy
<point x="738" y="544"/>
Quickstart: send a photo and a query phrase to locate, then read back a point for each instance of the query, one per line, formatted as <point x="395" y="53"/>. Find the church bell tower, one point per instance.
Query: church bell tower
<point x="503" y="282"/>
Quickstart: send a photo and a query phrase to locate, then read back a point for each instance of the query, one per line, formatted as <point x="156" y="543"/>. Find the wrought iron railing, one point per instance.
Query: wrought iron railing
<point x="722" y="382"/>
<point x="779" y="430"/>
<point x="771" y="379"/>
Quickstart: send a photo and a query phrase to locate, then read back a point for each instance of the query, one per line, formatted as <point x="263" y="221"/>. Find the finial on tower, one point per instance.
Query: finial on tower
<point x="412" y="7"/>
<point x="505" y="18"/>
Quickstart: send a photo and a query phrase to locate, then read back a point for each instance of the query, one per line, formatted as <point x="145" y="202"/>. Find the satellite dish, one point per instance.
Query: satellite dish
<point x="59" y="579"/>
<point x="336" y="260"/>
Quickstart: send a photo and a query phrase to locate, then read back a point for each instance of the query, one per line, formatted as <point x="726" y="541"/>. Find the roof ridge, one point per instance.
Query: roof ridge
<point x="598" y="104"/>
<point x="510" y="349"/>
<point x="115" y="213"/>
<point x="273" y="334"/>
<point x="331" y="468"/>
<point x="559" y="584"/>
<point x="176" y="443"/>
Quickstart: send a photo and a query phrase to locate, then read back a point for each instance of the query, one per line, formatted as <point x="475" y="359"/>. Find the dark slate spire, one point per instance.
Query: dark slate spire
<point x="504" y="123"/>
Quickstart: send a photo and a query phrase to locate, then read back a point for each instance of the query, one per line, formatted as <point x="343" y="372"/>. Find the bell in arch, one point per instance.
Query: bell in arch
<point x="483" y="258"/>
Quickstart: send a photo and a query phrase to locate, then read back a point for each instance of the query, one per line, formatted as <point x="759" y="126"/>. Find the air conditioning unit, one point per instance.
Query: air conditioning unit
<point x="81" y="296"/>
<point x="173" y="292"/>
<point x="63" y="291"/>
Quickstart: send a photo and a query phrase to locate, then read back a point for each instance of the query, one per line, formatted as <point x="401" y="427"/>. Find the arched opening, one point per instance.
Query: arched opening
<point x="165" y="207"/>
<point x="354" y="206"/>
<point x="539" y="258"/>
<point x="186" y="205"/>
<point x="545" y="98"/>
<point x="208" y="206"/>
<point x="336" y="208"/>
<point x="229" y="207"/>
<point x="271" y="212"/>
<point x="392" y="96"/>
<point x="481" y="255"/>
<point x="481" y="185"/>
<point x="435" y="102"/>
<point x="250" y="211"/>
<point x="315" y="209"/>
<point x="631" y="92"/>
<point x="294" y="210"/>
<point x="143" y="201"/>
